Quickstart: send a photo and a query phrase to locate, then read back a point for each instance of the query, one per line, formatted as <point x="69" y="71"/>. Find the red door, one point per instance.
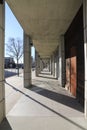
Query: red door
<point x="68" y="73"/>
<point x="73" y="68"/>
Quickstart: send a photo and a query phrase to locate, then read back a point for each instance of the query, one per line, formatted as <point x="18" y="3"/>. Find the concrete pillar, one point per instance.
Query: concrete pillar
<point x="27" y="61"/>
<point x="57" y="62"/>
<point x="36" y="66"/>
<point x="61" y="69"/>
<point x="85" y="54"/>
<point x="2" y="88"/>
<point x="41" y="65"/>
<point x="49" y="65"/>
<point x="53" y="65"/>
<point x="37" y="58"/>
<point x="63" y="62"/>
<point x="60" y="64"/>
<point x="39" y="70"/>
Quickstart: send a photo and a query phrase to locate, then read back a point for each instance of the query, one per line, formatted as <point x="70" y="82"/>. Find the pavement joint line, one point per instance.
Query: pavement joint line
<point x="62" y="116"/>
<point x="68" y="119"/>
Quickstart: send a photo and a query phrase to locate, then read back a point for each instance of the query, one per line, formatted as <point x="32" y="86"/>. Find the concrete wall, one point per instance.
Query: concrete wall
<point x="74" y="47"/>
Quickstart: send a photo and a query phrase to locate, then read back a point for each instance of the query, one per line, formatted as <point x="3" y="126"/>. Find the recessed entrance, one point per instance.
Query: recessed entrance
<point x="73" y="68"/>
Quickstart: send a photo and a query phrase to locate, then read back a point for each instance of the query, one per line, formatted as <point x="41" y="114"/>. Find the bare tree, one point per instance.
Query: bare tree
<point x="14" y="49"/>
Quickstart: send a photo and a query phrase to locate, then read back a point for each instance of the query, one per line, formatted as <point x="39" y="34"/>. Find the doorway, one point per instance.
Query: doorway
<point x="73" y="71"/>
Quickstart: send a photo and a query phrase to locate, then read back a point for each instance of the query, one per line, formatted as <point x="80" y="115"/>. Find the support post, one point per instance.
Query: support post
<point x="57" y="60"/>
<point x="36" y="66"/>
<point x="2" y="88"/>
<point x="61" y="69"/>
<point x="53" y="65"/>
<point x="27" y="61"/>
<point x="41" y="65"/>
<point x="56" y="66"/>
<point x="49" y="65"/>
<point x="39" y="71"/>
<point x="37" y="59"/>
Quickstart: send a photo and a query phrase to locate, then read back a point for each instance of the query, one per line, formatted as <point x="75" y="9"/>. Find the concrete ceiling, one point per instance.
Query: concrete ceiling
<point x="45" y="20"/>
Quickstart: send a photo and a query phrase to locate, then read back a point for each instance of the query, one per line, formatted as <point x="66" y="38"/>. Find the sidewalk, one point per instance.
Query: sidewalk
<point x="45" y="106"/>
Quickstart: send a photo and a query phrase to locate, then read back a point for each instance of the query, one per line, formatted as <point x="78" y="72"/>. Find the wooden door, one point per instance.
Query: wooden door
<point x="68" y="74"/>
<point x="73" y="71"/>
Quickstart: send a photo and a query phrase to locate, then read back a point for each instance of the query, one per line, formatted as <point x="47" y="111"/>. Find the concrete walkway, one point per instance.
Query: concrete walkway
<point x="45" y="106"/>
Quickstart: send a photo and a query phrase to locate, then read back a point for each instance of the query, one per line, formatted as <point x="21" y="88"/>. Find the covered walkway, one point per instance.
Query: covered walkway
<point x="58" y="31"/>
<point x="44" y="106"/>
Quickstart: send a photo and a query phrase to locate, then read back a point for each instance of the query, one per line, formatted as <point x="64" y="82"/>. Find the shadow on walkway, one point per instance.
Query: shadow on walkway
<point x="58" y="97"/>
<point x="45" y="76"/>
<point x="5" y="125"/>
<point x="47" y="73"/>
<point x="9" y="73"/>
<point x="45" y="106"/>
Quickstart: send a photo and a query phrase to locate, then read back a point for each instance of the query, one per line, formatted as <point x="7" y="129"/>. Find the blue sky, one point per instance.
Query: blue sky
<point x="12" y="27"/>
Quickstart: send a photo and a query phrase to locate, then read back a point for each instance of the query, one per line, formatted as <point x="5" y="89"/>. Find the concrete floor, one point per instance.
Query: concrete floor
<point x="45" y="106"/>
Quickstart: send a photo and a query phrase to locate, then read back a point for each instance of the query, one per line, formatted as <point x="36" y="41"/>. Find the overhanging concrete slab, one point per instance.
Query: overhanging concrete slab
<point x="45" y="20"/>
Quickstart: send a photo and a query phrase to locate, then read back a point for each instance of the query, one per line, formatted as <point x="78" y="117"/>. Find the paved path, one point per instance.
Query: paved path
<point x="45" y="106"/>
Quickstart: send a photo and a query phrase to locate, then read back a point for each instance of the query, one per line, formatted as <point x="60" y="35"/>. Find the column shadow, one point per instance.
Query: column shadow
<point x="9" y="73"/>
<point x="47" y="107"/>
<point x="45" y="73"/>
<point x="44" y="76"/>
<point x="5" y="125"/>
<point x="58" y="97"/>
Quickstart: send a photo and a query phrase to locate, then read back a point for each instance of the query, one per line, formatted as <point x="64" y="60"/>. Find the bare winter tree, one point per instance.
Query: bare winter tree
<point x="14" y="49"/>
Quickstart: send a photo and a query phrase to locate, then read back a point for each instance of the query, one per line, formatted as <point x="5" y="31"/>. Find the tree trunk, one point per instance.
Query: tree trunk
<point x="17" y="68"/>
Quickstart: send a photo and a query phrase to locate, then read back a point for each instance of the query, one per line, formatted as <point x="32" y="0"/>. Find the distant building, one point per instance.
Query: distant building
<point x="9" y="62"/>
<point x="33" y="62"/>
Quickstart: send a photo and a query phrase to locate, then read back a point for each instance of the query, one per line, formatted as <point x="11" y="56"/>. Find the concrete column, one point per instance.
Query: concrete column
<point x="49" y="65"/>
<point x="63" y="62"/>
<point x="37" y="58"/>
<point x="27" y="61"/>
<point x="36" y="66"/>
<point x="53" y="64"/>
<point x="2" y="88"/>
<point x="41" y="65"/>
<point x="56" y="66"/>
<point x="39" y="71"/>
<point x="61" y="77"/>
<point x="85" y="54"/>
<point x="60" y="64"/>
<point x="57" y="62"/>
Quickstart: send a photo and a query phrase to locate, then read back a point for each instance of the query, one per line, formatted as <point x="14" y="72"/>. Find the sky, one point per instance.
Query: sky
<point x="13" y="28"/>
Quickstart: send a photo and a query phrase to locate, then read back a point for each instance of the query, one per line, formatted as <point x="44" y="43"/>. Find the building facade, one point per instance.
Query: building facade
<point x="9" y="62"/>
